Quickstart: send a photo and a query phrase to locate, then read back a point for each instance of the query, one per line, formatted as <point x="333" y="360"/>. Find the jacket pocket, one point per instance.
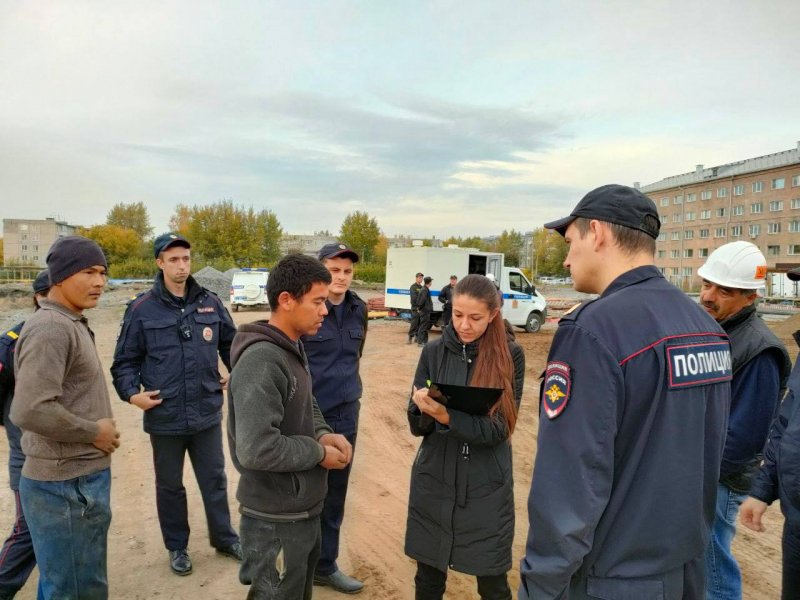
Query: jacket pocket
<point x="608" y="588"/>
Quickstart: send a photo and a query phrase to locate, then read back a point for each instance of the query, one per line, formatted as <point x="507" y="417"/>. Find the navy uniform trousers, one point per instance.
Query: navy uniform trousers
<point x="208" y="462"/>
<point x="343" y="419"/>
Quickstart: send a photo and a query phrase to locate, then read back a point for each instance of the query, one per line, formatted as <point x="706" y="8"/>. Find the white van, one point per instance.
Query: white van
<point x="524" y="306"/>
<point x="249" y="288"/>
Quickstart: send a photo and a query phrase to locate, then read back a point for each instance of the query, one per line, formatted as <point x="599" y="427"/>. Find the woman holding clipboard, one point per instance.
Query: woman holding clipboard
<point x="461" y="505"/>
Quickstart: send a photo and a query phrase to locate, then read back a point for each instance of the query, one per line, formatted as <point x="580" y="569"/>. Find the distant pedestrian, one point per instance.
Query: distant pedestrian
<point x="61" y="404"/>
<point x="425" y="307"/>
<point x="413" y="295"/>
<point x="167" y="363"/>
<point x="17" y="558"/>
<point x="446" y="298"/>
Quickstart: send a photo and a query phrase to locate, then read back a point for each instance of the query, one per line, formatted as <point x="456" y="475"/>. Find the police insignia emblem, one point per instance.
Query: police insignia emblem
<point x="208" y="334"/>
<point x="556" y="388"/>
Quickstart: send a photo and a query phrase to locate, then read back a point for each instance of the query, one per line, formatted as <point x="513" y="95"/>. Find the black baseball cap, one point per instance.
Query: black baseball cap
<point x="794" y="274"/>
<point x="418" y="275"/>
<point x="618" y="204"/>
<point x="337" y="250"/>
<point x="166" y="240"/>
<point x="42" y="282"/>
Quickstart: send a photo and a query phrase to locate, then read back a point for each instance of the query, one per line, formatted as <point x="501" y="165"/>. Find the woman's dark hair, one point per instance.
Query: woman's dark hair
<point x="494" y="366"/>
<point x="295" y="274"/>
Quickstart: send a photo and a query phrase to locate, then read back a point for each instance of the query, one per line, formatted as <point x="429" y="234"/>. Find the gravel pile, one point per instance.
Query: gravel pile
<point x="217" y="282"/>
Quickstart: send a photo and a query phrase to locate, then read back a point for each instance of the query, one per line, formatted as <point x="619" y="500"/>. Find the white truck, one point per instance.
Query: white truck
<point x="523" y="306"/>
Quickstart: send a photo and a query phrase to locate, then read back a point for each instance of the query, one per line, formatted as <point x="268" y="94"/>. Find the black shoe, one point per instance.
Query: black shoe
<point x="410" y="341"/>
<point x="233" y="551"/>
<point x="421" y="345"/>
<point x="340" y="582"/>
<point x="180" y="562"/>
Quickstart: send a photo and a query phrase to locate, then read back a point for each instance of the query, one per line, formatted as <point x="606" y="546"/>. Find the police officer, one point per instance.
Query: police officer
<point x="414" y="294"/>
<point x="16" y="557"/>
<point x="334" y="354"/>
<point x="166" y="363"/>
<point x="446" y="298"/>
<point x="731" y="277"/>
<point x="634" y="403"/>
<point x="779" y="478"/>
<point x="425" y="307"/>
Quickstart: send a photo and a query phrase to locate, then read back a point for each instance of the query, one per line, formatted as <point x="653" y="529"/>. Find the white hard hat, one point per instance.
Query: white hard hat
<point x="739" y="265"/>
<point x="490" y="277"/>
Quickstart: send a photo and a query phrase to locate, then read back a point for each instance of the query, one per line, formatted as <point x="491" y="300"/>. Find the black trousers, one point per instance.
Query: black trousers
<point x="447" y="314"/>
<point x="208" y="462"/>
<point x="424" y="327"/>
<point x="430" y="584"/>
<point x="412" y="331"/>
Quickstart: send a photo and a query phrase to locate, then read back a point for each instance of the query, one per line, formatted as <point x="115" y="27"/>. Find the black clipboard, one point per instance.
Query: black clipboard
<point x="471" y="400"/>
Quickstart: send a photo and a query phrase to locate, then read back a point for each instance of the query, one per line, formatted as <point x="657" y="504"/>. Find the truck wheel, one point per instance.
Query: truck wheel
<point x="235" y="307"/>
<point x="534" y="322"/>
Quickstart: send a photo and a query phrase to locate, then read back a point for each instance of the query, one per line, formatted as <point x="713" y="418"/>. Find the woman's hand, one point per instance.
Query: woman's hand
<point x="429" y="406"/>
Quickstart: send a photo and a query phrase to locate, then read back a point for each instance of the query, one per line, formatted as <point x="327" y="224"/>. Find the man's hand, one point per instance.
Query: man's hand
<point x="339" y="442"/>
<point x="146" y="400"/>
<point x="334" y="459"/>
<point x="107" y="438"/>
<point x="751" y="512"/>
<point x="223" y="381"/>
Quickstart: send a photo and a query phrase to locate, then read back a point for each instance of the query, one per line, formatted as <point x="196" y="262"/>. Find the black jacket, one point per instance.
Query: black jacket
<point x="273" y="427"/>
<point x="779" y="477"/>
<point x="424" y="302"/>
<point x="16" y="458"/>
<point x="461" y="507"/>
<point x="176" y="349"/>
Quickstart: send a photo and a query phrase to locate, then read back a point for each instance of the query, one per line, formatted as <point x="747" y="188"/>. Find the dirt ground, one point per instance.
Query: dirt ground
<point x="372" y="546"/>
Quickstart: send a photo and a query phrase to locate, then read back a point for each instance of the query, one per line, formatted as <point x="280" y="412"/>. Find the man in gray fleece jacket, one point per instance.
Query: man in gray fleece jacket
<point x="61" y="404"/>
<point x="278" y="439"/>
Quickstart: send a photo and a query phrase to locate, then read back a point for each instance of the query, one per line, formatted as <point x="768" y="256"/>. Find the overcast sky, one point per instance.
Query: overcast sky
<point x="437" y="118"/>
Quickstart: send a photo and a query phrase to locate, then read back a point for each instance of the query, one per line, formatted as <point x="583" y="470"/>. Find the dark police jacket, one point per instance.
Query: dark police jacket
<point x="16" y="458"/>
<point x="165" y="346"/>
<point x="634" y="408"/>
<point x="461" y="506"/>
<point x="446" y="295"/>
<point x="761" y="367"/>
<point x="335" y="351"/>
<point x="779" y="476"/>
<point x="414" y="292"/>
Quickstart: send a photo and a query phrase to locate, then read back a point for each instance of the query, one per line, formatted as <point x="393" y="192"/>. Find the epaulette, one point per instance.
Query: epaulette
<point x="573" y="312"/>
<point x="9" y="338"/>
<point x="132" y="299"/>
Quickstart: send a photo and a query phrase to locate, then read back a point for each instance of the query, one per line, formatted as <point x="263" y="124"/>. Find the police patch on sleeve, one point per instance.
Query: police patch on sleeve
<point x="556" y="388"/>
<point x="692" y="365"/>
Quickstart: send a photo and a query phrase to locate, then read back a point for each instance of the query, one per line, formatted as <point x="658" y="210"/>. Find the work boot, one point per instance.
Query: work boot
<point x="233" y="551"/>
<point x="179" y="562"/>
<point x="339" y="582"/>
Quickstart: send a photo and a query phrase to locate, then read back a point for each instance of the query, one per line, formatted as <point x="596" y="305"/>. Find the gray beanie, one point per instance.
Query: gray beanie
<point x="71" y="254"/>
<point x="42" y="282"/>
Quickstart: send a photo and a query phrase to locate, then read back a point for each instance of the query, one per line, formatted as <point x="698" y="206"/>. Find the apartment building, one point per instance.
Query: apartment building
<point x="27" y="241"/>
<point x="756" y="199"/>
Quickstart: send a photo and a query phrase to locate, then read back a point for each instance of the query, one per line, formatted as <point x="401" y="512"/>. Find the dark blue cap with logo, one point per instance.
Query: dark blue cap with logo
<point x="337" y="250"/>
<point x="618" y="204"/>
<point x="166" y="240"/>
